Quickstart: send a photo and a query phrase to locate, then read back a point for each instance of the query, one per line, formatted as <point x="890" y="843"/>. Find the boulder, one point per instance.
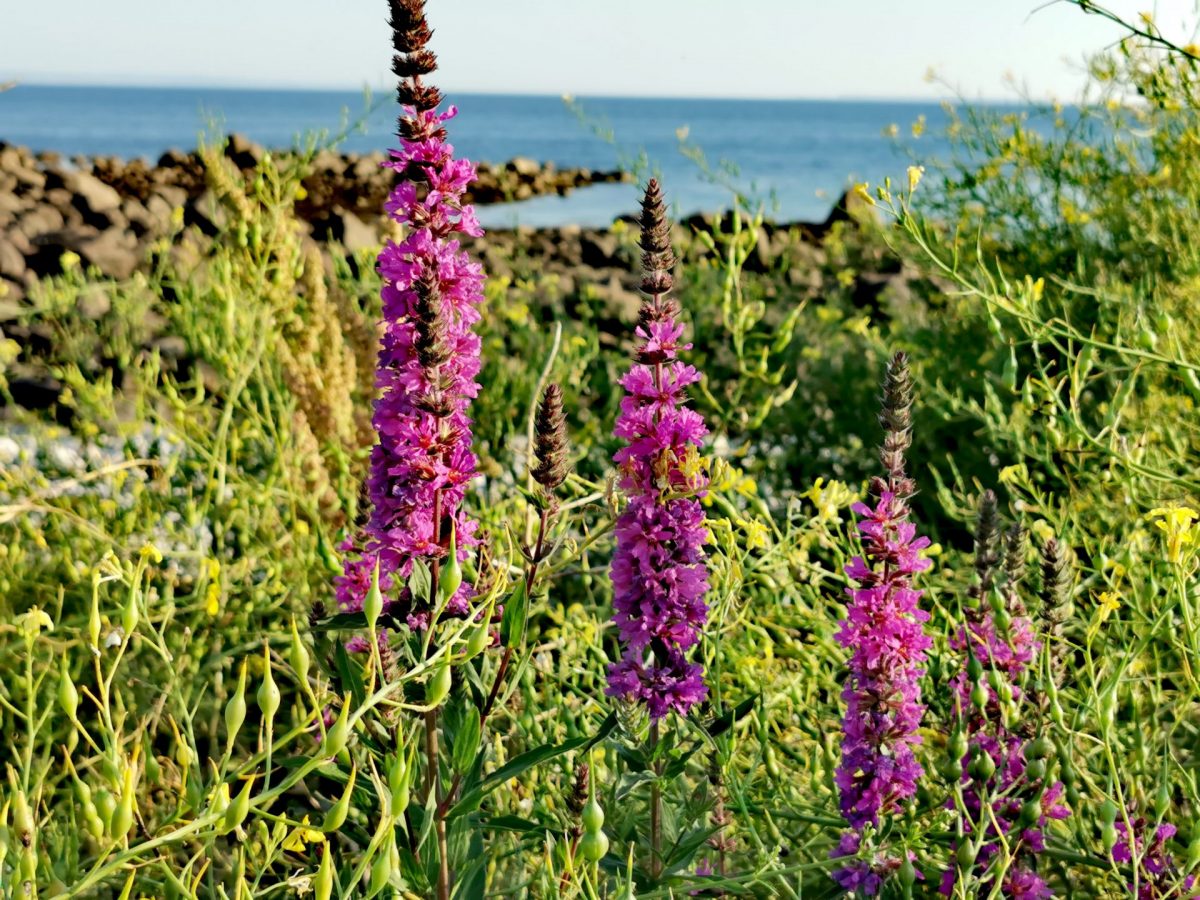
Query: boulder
<point x="93" y="302"/>
<point x="850" y="207"/>
<point x="42" y="219"/>
<point x="524" y="166"/>
<point x="598" y="249"/>
<point x="113" y="251"/>
<point x="98" y="203"/>
<point x="12" y="261"/>
<point x="243" y="152"/>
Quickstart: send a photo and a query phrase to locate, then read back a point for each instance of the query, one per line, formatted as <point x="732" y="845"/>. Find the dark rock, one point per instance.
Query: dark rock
<point x="597" y="248"/>
<point x="41" y="219"/>
<point x="524" y="166"/>
<point x="243" y="152"/>
<point x="12" y="261"/>
<point x="35" y="391"/>
<point x="852" y="208"/>
<point x="11" y="294"/>
<point x="99" y="204"/>
<point x="114" y="252"/>
<point x="206" y="213"/>
<point x="94" y="302"/>
<point x="170" y="347"/>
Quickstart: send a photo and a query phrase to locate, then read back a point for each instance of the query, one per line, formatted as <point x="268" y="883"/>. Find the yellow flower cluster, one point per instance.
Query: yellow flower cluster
<point x="1176" y="522"/>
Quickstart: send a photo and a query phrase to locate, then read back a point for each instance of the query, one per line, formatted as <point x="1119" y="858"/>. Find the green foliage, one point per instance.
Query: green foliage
<point x="170" y="726"/>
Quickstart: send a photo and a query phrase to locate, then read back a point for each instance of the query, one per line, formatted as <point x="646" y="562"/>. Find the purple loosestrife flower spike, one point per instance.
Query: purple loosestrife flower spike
<point x="658" y="572"/>
<point x="422" y="462"/>
<point x="1001" y="638"/>
<point x="1158" y="876"/>
<point x="883" y="630"/>
<point x="551" y="465"/>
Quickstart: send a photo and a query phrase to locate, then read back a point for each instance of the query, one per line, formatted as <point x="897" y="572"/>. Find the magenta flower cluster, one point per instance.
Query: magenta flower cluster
<point x="1158" y="877"/>
<point x="658" y="573"/>
<point x="1009" y="653"/>
<point x="883" y="631"/>
<point x="423" y="463"/>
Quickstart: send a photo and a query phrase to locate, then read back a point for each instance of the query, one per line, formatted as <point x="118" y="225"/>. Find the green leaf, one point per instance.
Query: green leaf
<point x="466" y="741"/>
<point x="516" y="617"/>
<point x="726" y="720"/>
<point x="420" y="583"/>
<point x="350" y="674"/>
<point x="472" y="798"/>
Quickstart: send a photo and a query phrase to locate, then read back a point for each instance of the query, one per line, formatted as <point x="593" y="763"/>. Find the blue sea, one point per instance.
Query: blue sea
<point x="796" y="156"/>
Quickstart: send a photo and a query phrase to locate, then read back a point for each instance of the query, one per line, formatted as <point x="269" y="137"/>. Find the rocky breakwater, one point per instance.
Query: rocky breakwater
<point x="107" y="211"/>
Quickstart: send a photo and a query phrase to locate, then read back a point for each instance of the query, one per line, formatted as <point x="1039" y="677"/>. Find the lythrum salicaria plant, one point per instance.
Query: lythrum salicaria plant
<point x="883" y="630"/>
<point x="658" y="573"/>
<point x="1000" y="751"/>
<point x="418" y="533"/>
<point x="428" y="356"/>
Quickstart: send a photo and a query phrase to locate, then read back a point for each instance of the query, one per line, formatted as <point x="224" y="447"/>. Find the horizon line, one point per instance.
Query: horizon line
<point x="16" y="84"/>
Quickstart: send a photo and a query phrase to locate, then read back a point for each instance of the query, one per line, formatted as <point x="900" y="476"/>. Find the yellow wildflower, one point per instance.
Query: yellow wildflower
<point x="303" y="835"/>
<point x="914" y="177"/>
<point x="1110" y="602"/>
<point x="69" y="260"/>
<point x="861" y="192"/>
<point x="1012" y="474"/>
<point x="756" y="533"/>
<point x="33" y="621"/>
<point x="1176" y="523"/>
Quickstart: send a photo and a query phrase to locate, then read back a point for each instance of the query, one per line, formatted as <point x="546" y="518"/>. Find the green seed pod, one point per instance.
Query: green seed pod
<point x="593" y="816"/>
<point x="1031" y="813"/>
<point x="399" y="777"/>
<point x="1003" y="620"/>
<point x="907" y="873"/>
<point x="373" y="601"/>
<point x="979" y="695"/>
<point x="298" y="655"/>
<point x="451" y="576"/>
<point x="974" y="668"/>
<point x="323" y="882"/>
<point x="594" y="846"/>
<point x="22" y="818"/>
<point x="1108" y="812"/>
<point x="1108" y="837"/>
<point x="235" y="709"/>
<point x="238" y="808"/>
<point x="1039" y="748"/>
<point x="481" y="637"/>
<point x="381" y="870"/>
<point x="29" y="868"/>
<point x="1035" y="769"/>
<point x="336" y="817"/>
<point x="965" y="855"/>
<point x="5" y="835"/>
<point x="338" y="733"/>
<point x="1162" y="799"/>
<point x="982" y="767"/>
<point x="122" y="817"/>
<point x="957" y="745"/>
<point x="68" y="696"/>
<point x="268" y="691"/>
<point x="94" y="620"/>
<point x="130" y="615"/>
<point x="951" y="768"/>
<point x="106" y="805"/>
<point x="438" y="687"/>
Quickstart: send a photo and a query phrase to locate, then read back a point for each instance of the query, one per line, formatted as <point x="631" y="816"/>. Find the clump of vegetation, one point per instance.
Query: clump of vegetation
<point x="798" y="695"/>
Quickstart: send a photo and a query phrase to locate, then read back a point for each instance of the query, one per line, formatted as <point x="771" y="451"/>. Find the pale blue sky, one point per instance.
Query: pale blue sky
<point x="762" y="48"/>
